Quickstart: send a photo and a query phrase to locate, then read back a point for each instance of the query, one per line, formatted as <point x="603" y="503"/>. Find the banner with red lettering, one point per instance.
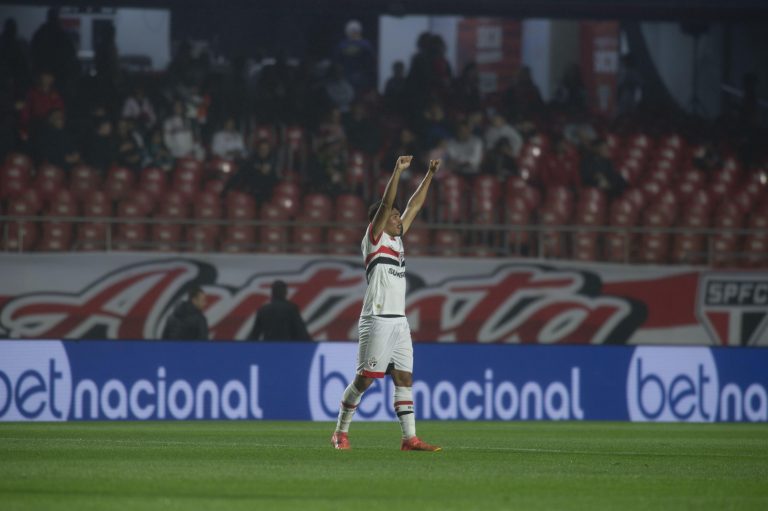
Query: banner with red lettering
<point x="129" y="296"/>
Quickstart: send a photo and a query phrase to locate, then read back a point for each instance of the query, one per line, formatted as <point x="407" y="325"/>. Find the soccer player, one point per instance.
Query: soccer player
<point x="385" y="345"/>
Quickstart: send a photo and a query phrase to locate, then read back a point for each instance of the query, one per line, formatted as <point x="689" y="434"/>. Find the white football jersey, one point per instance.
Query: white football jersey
<point x="385" y="272"/>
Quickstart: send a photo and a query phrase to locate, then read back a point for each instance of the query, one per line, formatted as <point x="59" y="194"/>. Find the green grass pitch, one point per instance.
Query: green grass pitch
<point x="290" y="465"/>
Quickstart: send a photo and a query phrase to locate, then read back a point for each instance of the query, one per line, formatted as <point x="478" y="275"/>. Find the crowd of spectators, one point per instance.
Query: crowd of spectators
<point x="62" y="116"/>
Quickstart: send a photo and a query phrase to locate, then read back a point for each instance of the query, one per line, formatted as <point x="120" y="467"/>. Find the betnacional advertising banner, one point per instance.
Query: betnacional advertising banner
<point x="51" y="380"/>
<point x="464" y="301"/>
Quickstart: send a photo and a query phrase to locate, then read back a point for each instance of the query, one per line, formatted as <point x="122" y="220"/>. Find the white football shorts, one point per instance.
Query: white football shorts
<point x="383" y="341"/>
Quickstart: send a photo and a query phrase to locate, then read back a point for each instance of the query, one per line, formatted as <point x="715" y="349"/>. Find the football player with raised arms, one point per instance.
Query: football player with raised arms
<point x="385" y="345"/>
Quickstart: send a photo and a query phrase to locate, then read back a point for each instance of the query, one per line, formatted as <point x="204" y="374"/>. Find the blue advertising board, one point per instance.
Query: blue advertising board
<point x="51" y="380"/>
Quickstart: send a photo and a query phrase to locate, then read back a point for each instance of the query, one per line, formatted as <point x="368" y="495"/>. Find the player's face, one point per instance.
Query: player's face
<point x="394" y="224"/>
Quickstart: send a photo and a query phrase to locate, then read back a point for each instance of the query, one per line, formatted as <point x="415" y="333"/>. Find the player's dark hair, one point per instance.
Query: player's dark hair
<point x="375" y="207"/>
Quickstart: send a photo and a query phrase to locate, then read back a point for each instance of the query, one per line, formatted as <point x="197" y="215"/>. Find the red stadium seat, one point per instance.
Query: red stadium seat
<point x="215" y="186"/>
<point x="13" y="181"/>
<point x="307" y="239"/>
<point x="240" y="206"/>
<point x="153" y="181"/>
<point x="50" y="179"/>
<point x="350" y="209"/>
<point x="19" y="160"/>
<point x="173" y="206"/>
<point x="20" y="236"/>
<point x="130" y="236"/>
<point x="84" y="181"/>
<point x="238" y="238"/>
<point x="618" y="247"/>
<point x="119" y="183"/>
<point x="688" y="248"/>
<point x="56" y="237"/>
<point x="202" y="237"/>
<point x="585" y="246"/>
<point x="418" y="240"/>
<point x="317" y="207"/>
<point x="207" y="205"/>
<point x="288" y="205"/>
<point x="91" y="236"/>
<point x="273" y="239"/>
<point x="452" y="199"/>
<point x="187" y="181"/>
<point x="447" y="243"/>
<point x="344" y="241"/>
<point x="97" y="205"/>
<point x="166" y="237"/>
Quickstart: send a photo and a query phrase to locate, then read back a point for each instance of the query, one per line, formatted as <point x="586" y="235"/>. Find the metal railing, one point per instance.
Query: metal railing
<point x="496" y="240"/>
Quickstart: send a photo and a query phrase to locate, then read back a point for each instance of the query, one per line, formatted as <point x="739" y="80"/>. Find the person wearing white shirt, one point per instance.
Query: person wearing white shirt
<point x="465" y="152"/>
<point x="499" y="129"/>
<point x="228" y="142"/>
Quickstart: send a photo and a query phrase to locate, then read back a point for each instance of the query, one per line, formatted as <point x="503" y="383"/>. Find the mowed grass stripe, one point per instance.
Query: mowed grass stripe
<point x="289" y="465"/>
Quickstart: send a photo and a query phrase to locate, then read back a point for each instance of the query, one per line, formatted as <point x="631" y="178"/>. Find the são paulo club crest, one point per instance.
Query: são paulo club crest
<point x="733" y="307"/>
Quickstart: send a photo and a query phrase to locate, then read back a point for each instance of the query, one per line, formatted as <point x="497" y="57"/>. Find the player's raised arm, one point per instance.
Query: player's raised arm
<point x="417" y="199"/>
<point x="390" y="192"/>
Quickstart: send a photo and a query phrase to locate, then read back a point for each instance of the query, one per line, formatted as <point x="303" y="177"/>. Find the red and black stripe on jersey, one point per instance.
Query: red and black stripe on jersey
<point x="383" y="255"/>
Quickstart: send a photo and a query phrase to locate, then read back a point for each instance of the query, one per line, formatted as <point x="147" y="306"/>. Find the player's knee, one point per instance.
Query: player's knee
<point x="362" y="382"/>
<point x="402" y="379"/>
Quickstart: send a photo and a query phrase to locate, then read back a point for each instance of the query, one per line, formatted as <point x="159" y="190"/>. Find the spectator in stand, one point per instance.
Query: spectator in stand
<point x="40" y="101"/>
<point x="467" y="89"/>
<point x="499" y="129"/>
<point x="101" y="146"/>
<point x="357" y="58"/>
<point x="418" y="81"/>
<point x="8" y="117"/>
<point x="560" y="166"/>
<point x="13" y="57"/>
<point x="228" y="142"/>
<point x="395" y="89"/>
<point x="106" y="65"/>
<point x="138" y="108"/>
<point x="179" y="135"/>
<point x="500" y="160"/>
<point x="362" y="132"/>
<point x="53" y="142"/>
<point x="571" y="95"/>
<point x="52" y="50"/>
<point x="328" y="165"/>
<point x="257" y="175"/>
<point x="131" y="151"/>
<point x="339" y="91"/>
<point x="441" y="75"/>
<point x="187" y="322"/>
<point x="434" y="127"/>
<point x="157" y="154"/>
<point x="465" y="151"/>
<point x="523" y="97"/>
<point x="331" y="128"/>
<point x="597" y="170"/>
<point x="280" y="319"/>
<point x="406" y="143"/>
<point x="629" y="86"/>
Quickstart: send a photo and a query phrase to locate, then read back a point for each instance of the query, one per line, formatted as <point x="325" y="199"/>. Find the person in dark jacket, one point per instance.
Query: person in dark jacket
<point x="187" y="322"/>
<point x="279" y="320"/>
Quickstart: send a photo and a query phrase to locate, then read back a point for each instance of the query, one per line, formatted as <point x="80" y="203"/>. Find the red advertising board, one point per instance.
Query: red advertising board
<point x="129" y="296"/>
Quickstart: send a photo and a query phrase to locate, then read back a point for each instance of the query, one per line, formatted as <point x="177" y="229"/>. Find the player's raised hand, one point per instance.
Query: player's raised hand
<point x="403" y="163"/>
<point x="434" y="165"/>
